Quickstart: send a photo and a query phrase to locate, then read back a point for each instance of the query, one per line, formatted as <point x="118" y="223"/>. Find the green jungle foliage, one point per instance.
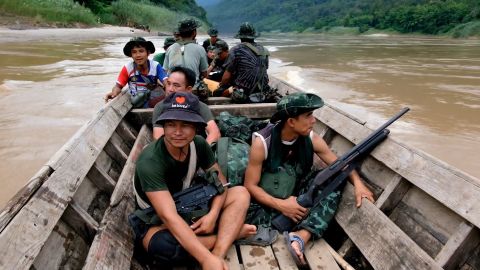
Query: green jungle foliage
<point x="104" y="7"/>
<point x="65" y="11"/>
<point x="405" y="16"/>
<point x="156" y="14"/>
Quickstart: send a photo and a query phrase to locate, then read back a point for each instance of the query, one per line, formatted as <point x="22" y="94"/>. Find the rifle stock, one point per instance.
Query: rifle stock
<point x="338" y="171"/>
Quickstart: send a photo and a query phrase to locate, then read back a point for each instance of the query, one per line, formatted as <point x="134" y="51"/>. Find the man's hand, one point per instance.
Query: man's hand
<point x="290" y="208"/>
<point x="213" y="263"/>
<point x="109" y="95"/>
<point x="361" y="191"/>
<point x="205" y="225"/>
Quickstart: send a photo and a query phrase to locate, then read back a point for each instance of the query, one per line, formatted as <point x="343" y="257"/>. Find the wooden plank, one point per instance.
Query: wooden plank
<point x="64" y="249"/>
<point x="459" y="247"/>
<point x="101" y="179"/>
<point x="218" y="100"/>
<point x="232" y="260"/>
<point x="259" y="110"/>
<point x="393" y="193"/>
<point x="403" y="217"/>
<point x="115" y="150"/>
<point x="77" y="218"/>
<point x="25" y="235"/>
<point x="280" y="250"/>
<point x="128" y="133"/>
<point x="112" y="247"/>
<point x="319" y="256"/>
<point x="258" y="258"/>
<point x="21" y="197"/>
<point x="383" y="244"/>
<point x="453" y="188"/>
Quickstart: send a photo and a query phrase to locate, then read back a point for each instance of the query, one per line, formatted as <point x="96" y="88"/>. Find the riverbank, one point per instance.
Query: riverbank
<point x="7" y="34"/>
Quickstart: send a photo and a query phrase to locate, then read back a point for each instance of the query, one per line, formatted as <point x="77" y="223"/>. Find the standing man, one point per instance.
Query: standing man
<point x="182" y="80"/>
<point x="246" y="65"/>
<point x="166" y="44"/>
<point x="144" y="77"/>
<point x="186" y="52"/>
<point x="164" y="168"/>
<point x="212" y="41"/>
<point x="281" y="156"/>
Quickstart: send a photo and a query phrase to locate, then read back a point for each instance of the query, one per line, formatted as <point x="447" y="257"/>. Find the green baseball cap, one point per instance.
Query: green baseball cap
<point x="295" y="104"/>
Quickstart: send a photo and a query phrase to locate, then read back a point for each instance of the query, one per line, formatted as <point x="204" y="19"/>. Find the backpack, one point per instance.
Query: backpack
<point x="232" y="157"/>
<point x="239" y="127"/>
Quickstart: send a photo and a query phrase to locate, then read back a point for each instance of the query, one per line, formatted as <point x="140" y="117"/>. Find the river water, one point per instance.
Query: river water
<point x="49" y="89"/>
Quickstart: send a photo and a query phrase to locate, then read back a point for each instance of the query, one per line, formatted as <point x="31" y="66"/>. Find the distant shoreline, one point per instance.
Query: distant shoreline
<point x="7" y="34"/>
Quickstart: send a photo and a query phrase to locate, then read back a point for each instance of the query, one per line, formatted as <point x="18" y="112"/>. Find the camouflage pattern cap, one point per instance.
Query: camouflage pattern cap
<point x="221" y="46"/>
<point x="247" y="31"/>
<point x="168" y="41"/>
<point x="295" y="104"/>
<point x="188" y="25"/>
<point x="213" y="32"/>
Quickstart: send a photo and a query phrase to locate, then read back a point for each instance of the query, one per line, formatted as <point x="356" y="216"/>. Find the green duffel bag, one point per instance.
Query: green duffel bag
<point x="139" y="99"/>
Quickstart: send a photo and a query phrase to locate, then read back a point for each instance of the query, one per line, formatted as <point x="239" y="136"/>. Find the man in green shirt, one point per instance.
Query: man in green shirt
<point x="166" y="44"/>
<point x="164" y="168"/>
<point x="182" y="79"/>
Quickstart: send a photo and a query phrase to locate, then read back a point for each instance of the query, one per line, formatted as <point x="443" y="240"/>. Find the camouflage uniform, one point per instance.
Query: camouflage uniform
<point x="321" y="214"/>
<point x="317" y="220"/>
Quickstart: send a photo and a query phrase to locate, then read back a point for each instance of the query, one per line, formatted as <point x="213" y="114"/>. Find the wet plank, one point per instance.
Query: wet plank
<point x="453" y="188"/>
<point x="27" y="232"/>
<point x="112" y="247"/>
<point x="319" y="256"/>
<point x="258" y="258"/>
<point x="232" y="259"/>
<point x="383" y="244"/>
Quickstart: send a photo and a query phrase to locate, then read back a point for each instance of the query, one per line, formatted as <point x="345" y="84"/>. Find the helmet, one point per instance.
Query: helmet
<point x="188" y="25"/>
<point x="247" y="31"/>
<point x="213" y="32"/>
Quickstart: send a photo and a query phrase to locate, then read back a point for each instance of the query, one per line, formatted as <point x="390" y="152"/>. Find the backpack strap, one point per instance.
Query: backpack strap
<point x="222" y="154"/>
<point x="192" y="164"/>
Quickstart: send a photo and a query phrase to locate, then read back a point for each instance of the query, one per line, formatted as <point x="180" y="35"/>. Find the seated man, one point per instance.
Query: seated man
<point x="144" y="77"/>
<point x="182" y="79"/>
<point x="212" y="41"/>
<point x="217" y="66"/>
<point x="283" y="152"/>
<point x="246" y="68"/>
<point x="164" y="168"/>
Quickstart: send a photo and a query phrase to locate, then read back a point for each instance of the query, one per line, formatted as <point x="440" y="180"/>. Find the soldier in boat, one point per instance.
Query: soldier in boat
<point x="216" y="69"/>
<point x="246" y="69"/>
<point x="279" y="169"/>
<point x="186" y="52"/>
<point x="166" y="167"/>
<point x="212" y="41"/>
<point x="166" y="44"/>
<point x="182" y="79"/>
<point x="144" y="77"/>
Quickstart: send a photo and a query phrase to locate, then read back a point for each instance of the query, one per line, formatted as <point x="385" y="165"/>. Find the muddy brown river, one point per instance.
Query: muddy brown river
<point x="48" y="89"/>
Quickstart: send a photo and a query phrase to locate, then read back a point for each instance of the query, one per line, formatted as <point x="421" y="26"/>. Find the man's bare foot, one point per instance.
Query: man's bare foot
<point x="296" y="246"/>
<point x="246" y="231"/>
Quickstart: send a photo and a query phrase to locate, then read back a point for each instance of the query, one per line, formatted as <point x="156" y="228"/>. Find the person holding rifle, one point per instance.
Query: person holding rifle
<point x="280" y="169"/>
<point x="166" y="167"/>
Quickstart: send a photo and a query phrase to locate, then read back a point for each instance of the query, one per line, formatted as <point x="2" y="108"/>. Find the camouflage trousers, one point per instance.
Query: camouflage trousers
<point x="316" y="221"/>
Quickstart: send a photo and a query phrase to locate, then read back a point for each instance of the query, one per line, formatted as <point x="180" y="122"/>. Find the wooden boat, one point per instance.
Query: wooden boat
<point x="73" y="213"/>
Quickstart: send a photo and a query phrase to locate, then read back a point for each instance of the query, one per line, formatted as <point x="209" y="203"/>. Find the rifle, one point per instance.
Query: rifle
<point x="338" y="171"/>
<point x="194" y="202"/>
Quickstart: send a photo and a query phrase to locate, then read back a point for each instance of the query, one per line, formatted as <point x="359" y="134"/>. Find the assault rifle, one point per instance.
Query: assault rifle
<point x="194" y="202"/>
<point x="337" y="172"/>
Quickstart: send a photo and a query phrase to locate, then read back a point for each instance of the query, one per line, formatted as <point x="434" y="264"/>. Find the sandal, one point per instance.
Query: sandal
<point x="265" y="236"/>
<point x="289" y="238"/>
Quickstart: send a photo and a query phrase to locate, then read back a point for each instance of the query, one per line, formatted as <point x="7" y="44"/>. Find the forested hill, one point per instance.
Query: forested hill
<point x="423" y="16"/>
<point x="147" y="14"/>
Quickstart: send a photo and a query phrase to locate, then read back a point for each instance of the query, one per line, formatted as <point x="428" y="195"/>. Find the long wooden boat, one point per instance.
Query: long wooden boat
<point x="73" y="213"/>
